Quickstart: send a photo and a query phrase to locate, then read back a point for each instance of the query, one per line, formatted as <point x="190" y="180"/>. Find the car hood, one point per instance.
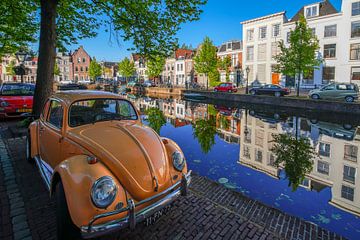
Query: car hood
<point x="132" y="152"/>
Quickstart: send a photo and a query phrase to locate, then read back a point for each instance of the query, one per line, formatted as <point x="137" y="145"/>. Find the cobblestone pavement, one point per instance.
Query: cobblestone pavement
<point x="209" y="212"/>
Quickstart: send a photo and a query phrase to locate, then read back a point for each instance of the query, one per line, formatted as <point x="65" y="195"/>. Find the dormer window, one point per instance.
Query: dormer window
<point x="312" y="11"/>
<point x="229" y="46"/>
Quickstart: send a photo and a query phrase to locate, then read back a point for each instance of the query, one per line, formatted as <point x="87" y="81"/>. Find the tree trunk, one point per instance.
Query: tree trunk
<point x="207" y="81"/>
<point x="47" y="55"/>
<point x="298" y="85"/>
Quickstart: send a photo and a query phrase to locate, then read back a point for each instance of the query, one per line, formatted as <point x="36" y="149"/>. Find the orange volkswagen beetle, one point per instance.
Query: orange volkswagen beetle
<point x="106" y="170"/>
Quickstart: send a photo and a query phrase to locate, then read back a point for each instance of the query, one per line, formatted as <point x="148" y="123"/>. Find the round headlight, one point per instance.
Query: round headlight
<point x="103" y="192"/>
<point x="178" y="161"/>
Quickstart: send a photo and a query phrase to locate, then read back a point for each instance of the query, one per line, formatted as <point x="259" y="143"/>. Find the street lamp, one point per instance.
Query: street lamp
<point x="247" y="79"/>
<point x="20" y="70"/>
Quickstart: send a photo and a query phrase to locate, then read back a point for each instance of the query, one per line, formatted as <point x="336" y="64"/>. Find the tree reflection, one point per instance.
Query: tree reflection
<point x="295" y="155"/>
<point x="205" y="131"/>
<point x="156" y="119"/>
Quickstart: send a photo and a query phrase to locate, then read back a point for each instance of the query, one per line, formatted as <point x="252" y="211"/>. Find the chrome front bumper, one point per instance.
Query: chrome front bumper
<point x="133" y="217"/>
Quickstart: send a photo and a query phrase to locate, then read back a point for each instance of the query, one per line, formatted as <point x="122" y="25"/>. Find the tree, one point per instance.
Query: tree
<point x="300" y="58"/>
<point x="156" y="119"/>
<point x="56" y="70"/>
<point x="94" y="69"/>
<point x="295" y="154"/>
<point x="155" y="66"/>
<point x="126" y="68"/>
<point x="224" y="65"/>
<point x="205" y="131"/>
<point x="205" y="61"/>
<point x="150" y="25"/>
<point x="18" y="25"/>
<point x="10" y="69"/>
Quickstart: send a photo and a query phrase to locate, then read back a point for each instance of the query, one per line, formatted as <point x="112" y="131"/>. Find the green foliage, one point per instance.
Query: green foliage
<point x="300" y="57"/>
<point x="156" y="119"/>
<point x="18" y="25"/>
<point x="224" y="65"/>
<point x="224" y="122"/>
<point x="56" y="69"/>
<point x="25" y="122"/>
<point x="206" y="60"/>
<point x="212" y="110"/>
<point x="155" y="66"/>
<point x="214" y="78"/>
<point x="94" y="69"/>
<point x="10" y="69"/>
<point x="126" y="68"/>
<point x="205" y="131"/>
<point x="295" y="155"/>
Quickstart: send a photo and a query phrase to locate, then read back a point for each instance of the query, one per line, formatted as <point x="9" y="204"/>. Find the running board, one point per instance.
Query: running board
<point x="42" y="170"/>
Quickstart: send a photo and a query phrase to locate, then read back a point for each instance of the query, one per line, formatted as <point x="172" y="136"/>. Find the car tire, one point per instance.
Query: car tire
<point x="314" y="121"/>
<point x="66" y="229"/>
<point x="252" y="92"/>
<point x="215" y="90"/>
<point x="28" y="149"/>
<point x="277" y="94"/>
<point x="349" y="99"/>
<point x="315" y="97"/>
<point x="347" y="126"/>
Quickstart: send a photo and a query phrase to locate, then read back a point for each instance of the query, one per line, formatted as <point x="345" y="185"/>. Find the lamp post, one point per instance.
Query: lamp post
<point x="21" y="57"/>
<point x="247" y="79"/>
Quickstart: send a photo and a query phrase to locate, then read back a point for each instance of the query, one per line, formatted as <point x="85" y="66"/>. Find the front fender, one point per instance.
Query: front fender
<point x="171" y="147"/>
<point x="78" y="177"/>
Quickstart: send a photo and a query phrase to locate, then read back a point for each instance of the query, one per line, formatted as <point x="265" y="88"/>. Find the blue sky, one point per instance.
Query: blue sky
<point x="220" y="21"/>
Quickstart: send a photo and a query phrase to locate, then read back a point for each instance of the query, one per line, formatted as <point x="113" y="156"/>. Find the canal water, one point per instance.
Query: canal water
<point x="233" y="146"/>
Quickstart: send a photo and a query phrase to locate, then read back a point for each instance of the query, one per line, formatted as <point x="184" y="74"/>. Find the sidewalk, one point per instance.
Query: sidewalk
<point x="209" y="212"/>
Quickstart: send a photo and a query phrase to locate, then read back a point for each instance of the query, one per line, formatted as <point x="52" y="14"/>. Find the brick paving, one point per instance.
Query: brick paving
<point x="209" y="212"/>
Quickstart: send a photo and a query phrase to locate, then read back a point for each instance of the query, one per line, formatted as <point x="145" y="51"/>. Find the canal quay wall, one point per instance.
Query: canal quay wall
<point x="285" y="102"/>
<point x="157" y="91"/>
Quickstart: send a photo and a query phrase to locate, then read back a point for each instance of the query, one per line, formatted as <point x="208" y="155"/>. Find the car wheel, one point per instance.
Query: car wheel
<point x="277" y="94"/>
<point x="349" y="99"/>
<point x="230" y="91"/>
<point x="276" y="116"/>
<point x="314" y="121"/>
<point x="66" y="229"/>
<point x="252" y="92"/>
<point x="28" y="149"/>
<point x="215" y="90"/>
<point x="347" y="126"/>
<point x="315" y="96"/>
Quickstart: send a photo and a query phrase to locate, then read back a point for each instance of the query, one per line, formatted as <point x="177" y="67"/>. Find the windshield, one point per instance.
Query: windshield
<point x="97" y="110"/>
<point x="17" y="90"/>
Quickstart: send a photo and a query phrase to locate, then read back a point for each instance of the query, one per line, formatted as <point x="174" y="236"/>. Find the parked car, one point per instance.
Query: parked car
<point x="72" y="86"/>
<point x="106" y="170"/>
<point x="270" y="89"/>
<point x="336" y="91"/>
<point x="131" y="84"/>
<point x="149" y="83"/>
<point x="225" y="87"/>
<point x="16" y="99"/>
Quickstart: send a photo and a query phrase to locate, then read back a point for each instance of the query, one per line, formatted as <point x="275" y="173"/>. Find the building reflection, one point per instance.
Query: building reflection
<point x="336" y="165"/>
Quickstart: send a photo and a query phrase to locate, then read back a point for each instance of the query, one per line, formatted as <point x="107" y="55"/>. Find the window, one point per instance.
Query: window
<point x="330" y="51"/>
<point x="261" y="72"/>
<point x="259" y="138"/>
<point x="288" y="35"/>
<point x="355" y="8"/>
<point x="250" y="53"/>
<point x="276" y="30"/>
<point x="341" y="87"/>
<point x="355" y="51"/>
<point x="86" y="69"/>
<point x="247" y="133"/>
<point x="355" y="73"/>
<point x="275" y="49"/>
<point x="355" y="29"/>
<point x="55" y="114"/>
<point x="349" y="174"/>
<point x="83" y="60"/>
<point x="311" y="11"/>
<point x="258" y="155"/>
<point x="313" y="31"/>
<point x="76" y="69"/>
<point x="347" y="193"/>
<point x="330" y="31"/>
<point x="323" y="167"/>
<point x="350" y="152"/>
<point x="328" y="74"/>
<point x="79" y="60"/>
<point x="250" y="34"/>
<point x="246" y="152"/>
<point x="324" y="149"/>
<point x="262" y="52"/>
<point x="262" y="32"/>
<point x="229" y="46"/>
<point x="81" y="69"/>
<point x="271" y="160"/>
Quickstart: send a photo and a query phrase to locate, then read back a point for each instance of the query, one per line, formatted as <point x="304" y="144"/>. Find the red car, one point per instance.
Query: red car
<point x="225" y="87"/>
<point x="16" y="99"/>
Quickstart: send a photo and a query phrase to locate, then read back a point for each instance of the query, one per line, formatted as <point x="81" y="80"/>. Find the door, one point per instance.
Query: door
<point x="328" y="92"/>
<point x="50" y="135"/>
<point x="275" y="78"/>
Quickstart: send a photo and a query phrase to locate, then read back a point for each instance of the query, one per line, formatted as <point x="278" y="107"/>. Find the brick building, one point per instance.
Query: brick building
<point x="233" y="50"/>
<point x="81" y="63"/>
<point x="65" y="65"/>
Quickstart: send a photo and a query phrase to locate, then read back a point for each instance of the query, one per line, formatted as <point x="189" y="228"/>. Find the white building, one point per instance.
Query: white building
<point x="140" y="66"/>
<point x="233" y="50"/>
<point x="339" y="38"/>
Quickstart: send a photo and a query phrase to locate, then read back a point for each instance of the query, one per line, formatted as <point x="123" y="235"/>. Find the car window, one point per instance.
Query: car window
<point x="329" y="87"/>
<point x="95" y="110"/>
<point x="274" y="86"/>
<point x="56" y="114"/>
<point x="350" y="87"/>
<point x="17" y="90"/>
<point x="341" y="87"/>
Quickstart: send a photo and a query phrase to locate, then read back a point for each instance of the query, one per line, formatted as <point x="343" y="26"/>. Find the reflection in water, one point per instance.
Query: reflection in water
<point x="156" y="118"/>
<point x="238" y="154"/>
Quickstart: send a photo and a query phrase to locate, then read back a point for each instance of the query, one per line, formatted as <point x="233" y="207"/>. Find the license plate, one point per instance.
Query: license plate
<point x="157" y="215"/>
<point x="24" y="110"/>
